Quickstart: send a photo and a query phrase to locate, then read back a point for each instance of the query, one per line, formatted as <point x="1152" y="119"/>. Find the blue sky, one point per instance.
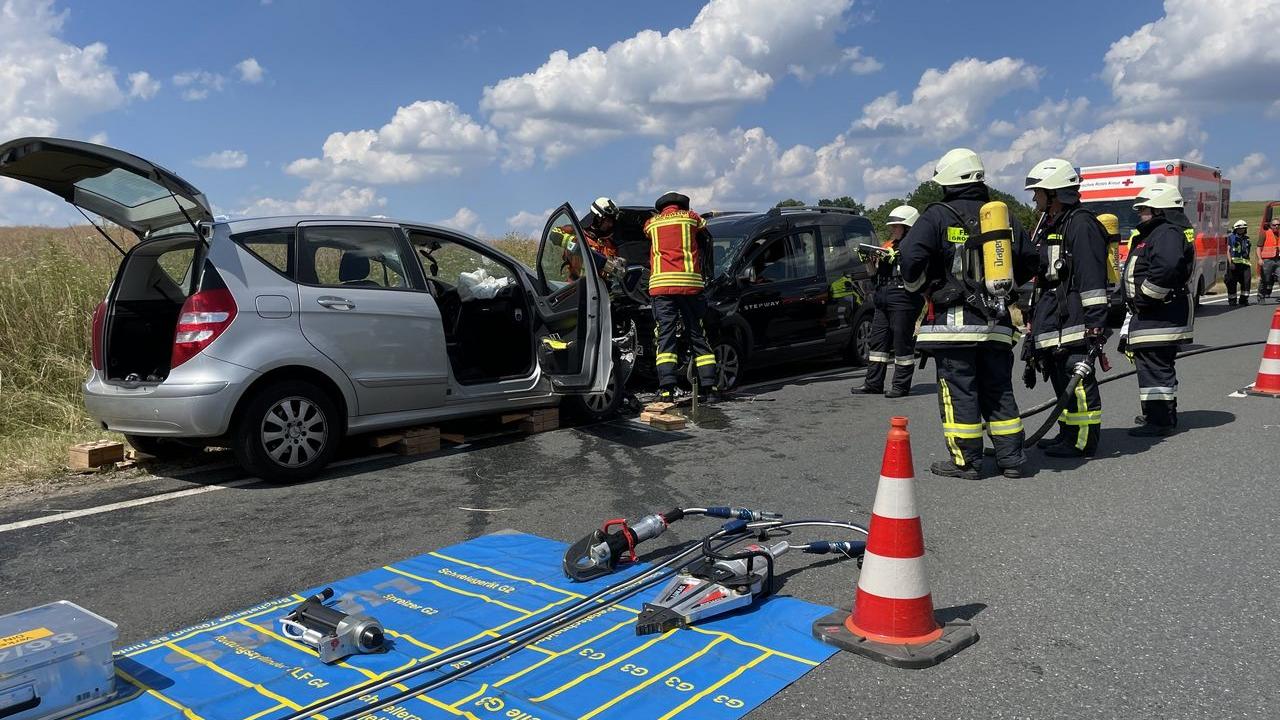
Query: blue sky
<point x="488" y="114"/>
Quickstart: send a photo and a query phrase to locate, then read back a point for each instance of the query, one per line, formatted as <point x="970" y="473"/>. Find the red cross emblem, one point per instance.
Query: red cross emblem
<point x="1127" y="182"/>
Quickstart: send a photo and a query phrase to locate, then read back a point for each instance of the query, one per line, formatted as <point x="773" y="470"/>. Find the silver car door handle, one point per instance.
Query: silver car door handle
<point x="335" y="303"/>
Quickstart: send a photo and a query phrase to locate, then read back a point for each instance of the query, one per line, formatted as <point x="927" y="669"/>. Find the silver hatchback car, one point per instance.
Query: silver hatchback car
<point x="279" y="336"/>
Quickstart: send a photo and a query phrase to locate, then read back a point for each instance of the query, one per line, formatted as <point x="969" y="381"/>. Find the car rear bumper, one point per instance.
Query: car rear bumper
<point x="198" y="401"/>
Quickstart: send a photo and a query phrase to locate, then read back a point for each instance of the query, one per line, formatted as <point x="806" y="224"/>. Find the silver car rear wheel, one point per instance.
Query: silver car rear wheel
<point x="294" y="432"/>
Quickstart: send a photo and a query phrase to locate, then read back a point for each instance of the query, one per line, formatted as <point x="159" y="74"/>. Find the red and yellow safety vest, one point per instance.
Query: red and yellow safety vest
<point x="675" y="254"/>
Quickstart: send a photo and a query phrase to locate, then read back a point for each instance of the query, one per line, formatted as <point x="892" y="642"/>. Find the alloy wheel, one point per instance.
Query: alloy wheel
<point x="294" y="432"/>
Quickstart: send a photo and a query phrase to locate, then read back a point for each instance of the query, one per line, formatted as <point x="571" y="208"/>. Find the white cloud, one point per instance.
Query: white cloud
<point x="426" y="139"/>
<point x="143" y="86"/>
<point x="250" y="71"/>
<point x="223" y="160"/>
<point x="465" y="220"/>
<point x="319" y="198"/>
<point x="860" y="64"/>
<point x="653" y="83"/>
<point x="529" y="223"/>
<point x="1201" y="52"/>
<point x="198" y="84"/>
<point x="947" y="104"/>
<point x="47" y="85"/>
<point x="1253" y="168"/>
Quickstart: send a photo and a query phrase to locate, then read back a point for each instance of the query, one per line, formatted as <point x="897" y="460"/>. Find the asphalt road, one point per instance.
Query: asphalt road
<point x="1141" y="584"/>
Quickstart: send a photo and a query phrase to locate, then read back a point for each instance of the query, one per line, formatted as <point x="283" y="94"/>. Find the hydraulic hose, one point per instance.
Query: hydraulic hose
<point x="567" y="615"/>
<point x="733" y="532"/>
<point x="1198" y="351"/>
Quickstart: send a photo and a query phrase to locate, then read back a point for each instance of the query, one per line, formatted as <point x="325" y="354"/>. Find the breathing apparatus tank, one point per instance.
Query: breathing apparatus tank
<point x="1112" y="225"/>
<point x="997" y="251"/>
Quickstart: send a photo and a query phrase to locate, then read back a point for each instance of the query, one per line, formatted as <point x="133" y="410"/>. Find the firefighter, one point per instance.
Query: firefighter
<point x="893" y="324"/>
<point x="1269" y="254"/>
<point x="1161" y="312"/>
<point x="598" y="227"/>
<point x="967" y="330"/>
<point x="1240" y="269"/>
<point x="1069" y="302"/>
<point x="680" y="246"/>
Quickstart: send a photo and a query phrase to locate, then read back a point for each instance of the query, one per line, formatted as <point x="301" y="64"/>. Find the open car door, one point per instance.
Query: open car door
<point x="575" y="346"/>
<point x="127" y="190"/>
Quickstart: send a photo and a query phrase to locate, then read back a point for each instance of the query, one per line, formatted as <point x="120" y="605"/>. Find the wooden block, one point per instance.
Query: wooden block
<point x="659" y="407"/>
<point x="455" y="438"/>
<point x="663" y="421"/>
<point x="543" y="420"/>
<point x="381" y="441"/>
<point x="421" y="432"/>
<point x="513" y="417"/>
<point x="418" y="445"/>
<point x="90" y="456"/>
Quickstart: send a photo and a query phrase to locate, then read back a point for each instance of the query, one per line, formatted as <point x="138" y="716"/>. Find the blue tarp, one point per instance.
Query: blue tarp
<point x="241" y="667"/>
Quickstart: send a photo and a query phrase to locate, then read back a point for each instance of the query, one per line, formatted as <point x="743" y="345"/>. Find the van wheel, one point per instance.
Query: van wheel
<point x="163" y="448"/>
<point x="729" y="362"/>
<point x="858" y="351"/>
<point x="287" y="432"/>
<point x="599" y="406"/>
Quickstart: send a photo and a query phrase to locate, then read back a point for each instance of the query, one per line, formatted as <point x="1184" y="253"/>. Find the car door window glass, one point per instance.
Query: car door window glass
<point x="368" y="257"/>
<point x="449" y="265"/>
<point x="561" y="262"/>
<point x="803" y="254"/>
<point x="791" y="258"/>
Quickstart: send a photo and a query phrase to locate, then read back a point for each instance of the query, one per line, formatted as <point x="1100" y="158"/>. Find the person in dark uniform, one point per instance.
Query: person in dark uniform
<point x="967" y="330"/>
<point x="1069" y="303"/>
<point x="1240" y="263"/>
<point x="1156" y="275"/>
<point x="896" y="311"/>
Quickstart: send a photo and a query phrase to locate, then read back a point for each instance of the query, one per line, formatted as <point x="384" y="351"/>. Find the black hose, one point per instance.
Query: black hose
<point x="512" y="648"/>
<point x="1198" y="351"/>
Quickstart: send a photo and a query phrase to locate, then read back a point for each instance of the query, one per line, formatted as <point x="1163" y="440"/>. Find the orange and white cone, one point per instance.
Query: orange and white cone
<point x="1268" y="382"/>
<point x="892" y="618"/>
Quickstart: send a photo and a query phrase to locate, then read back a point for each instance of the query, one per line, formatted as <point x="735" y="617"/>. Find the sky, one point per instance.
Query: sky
<point x="487" y="115"/>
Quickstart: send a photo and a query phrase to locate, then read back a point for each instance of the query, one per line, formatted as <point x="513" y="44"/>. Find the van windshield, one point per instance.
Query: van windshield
<point x="1122" y="209"/>
<point x="723" y="250"/>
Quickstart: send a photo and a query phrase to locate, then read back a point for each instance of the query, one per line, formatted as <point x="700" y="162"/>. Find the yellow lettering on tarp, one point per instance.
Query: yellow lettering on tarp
<point x="25" y="637"/>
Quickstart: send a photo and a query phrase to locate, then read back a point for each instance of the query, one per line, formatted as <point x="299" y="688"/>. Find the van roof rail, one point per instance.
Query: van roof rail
<point x="813" y="208"/>
<point x="722" y="213"/>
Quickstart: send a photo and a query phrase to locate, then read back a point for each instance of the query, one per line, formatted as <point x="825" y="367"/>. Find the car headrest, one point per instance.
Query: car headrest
<point x="353" y="266"/>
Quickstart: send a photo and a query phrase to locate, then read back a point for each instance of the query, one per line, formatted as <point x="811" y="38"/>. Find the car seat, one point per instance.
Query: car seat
<point x="353" y="270"/>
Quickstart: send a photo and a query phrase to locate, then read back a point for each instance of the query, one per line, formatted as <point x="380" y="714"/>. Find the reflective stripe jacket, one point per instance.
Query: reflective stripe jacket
<point x="1239" y="248"/>
<point x="678" y="240"/>
<point x="1071" y="299"/>
<point x="1155" y="282"/>
<point x="926" y="257"/>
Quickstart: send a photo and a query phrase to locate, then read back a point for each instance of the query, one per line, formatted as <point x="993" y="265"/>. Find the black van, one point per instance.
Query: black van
<point x="788" y="284"/>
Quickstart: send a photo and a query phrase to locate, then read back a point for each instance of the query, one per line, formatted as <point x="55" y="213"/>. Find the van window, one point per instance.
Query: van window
<point x="793" y="257"/>
<point x="362" y="257"/>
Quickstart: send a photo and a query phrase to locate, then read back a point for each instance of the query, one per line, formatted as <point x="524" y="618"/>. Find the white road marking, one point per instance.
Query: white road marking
<point x="162" y="497"/>
<point x="112" y="507"/>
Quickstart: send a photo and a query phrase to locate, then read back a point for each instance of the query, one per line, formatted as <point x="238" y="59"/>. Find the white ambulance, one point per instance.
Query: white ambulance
<point x="1205" y="193"/>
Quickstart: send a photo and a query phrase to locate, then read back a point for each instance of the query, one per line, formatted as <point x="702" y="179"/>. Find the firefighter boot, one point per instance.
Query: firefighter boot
<point x="947" y="468"/>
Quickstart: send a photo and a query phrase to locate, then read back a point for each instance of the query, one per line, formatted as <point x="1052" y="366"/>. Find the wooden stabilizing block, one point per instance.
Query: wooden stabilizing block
<point x="93" y="455"/>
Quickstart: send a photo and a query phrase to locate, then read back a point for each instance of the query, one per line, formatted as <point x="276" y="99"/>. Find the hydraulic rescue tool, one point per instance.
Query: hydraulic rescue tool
<point x="520" y="636"/>
<point x="601" y="552"/>
<point x="718" y="584"/>
<point x="331" y="632"/>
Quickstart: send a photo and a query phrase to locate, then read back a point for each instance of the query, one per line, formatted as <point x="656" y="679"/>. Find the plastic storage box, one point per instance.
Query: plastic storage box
<point x="54" y="660"/>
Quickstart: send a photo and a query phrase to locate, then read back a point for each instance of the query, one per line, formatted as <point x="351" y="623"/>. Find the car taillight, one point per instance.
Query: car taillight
<point x="204" y="316"/>
<point x="95" y="340"/>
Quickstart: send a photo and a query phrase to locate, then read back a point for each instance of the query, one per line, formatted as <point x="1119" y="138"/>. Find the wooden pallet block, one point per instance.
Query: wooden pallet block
<point x="658" y="408"/>
<point x="93" y="455"/>
<point x="543" y="420"/>
<point x="418" y="441"/>
<point x="381" y="441"/>
<point x="663" y="421"/>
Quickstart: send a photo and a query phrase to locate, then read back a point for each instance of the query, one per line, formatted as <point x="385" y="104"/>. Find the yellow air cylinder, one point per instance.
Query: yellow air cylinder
<point x="997" y="248"/>
<point x="1112" y="225"/>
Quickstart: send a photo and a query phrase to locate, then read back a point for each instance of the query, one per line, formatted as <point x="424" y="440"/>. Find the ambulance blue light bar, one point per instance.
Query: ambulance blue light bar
<point x="1143" y="168"/>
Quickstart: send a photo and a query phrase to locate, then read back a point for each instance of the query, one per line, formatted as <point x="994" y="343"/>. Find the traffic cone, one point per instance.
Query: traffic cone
<point x="892" y="617"/>
<point x="1268" y="382"/>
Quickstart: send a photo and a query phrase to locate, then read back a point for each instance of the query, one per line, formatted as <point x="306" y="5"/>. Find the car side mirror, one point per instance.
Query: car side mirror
<point x="747" y="276"/>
